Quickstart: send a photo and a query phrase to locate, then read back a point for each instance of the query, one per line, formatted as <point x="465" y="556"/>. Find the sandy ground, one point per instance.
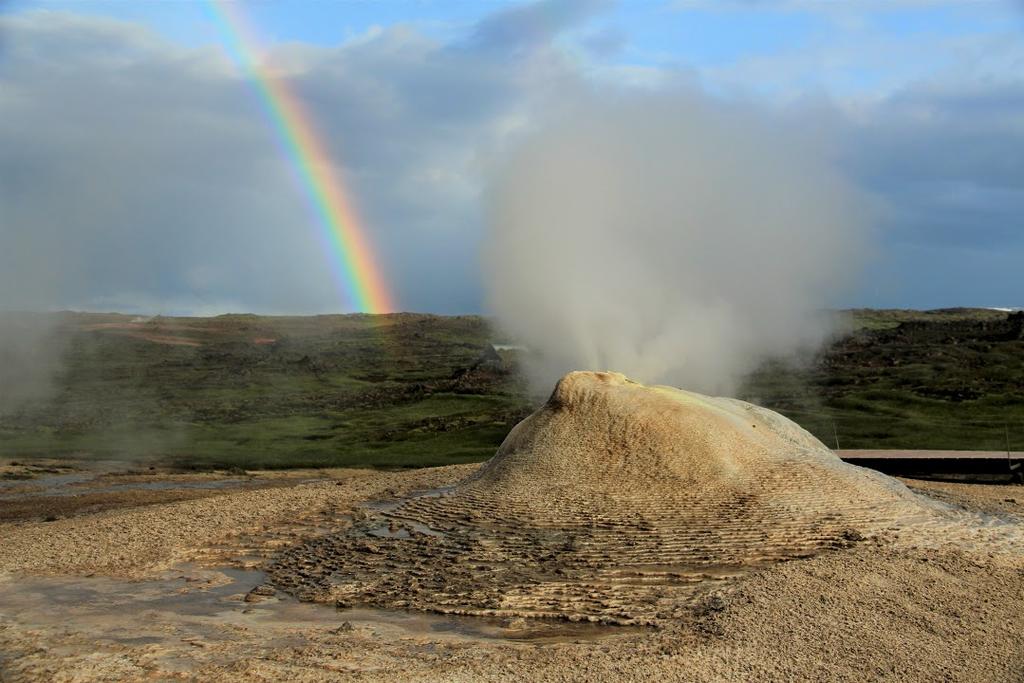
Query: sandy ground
<point x="984" y="498"/>
<point x="152" y="592"/>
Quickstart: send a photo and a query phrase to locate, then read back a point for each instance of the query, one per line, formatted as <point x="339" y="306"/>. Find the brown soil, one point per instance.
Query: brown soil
<point x="48" y="489"/>
<point x="82" y="501"/>
<point x="984" y="498"/>
<point x="49" y="509"/>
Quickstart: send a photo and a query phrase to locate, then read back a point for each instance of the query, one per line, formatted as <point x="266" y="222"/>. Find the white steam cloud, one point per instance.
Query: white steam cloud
<point x="678" y="240"/>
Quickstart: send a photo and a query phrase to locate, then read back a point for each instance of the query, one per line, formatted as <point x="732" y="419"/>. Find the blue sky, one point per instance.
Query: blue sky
<point x="138" y="164"/>
<point x="694" y="34"/>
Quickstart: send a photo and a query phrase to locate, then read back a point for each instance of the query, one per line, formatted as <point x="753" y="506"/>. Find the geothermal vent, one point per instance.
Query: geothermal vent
<point x="615" y="502"/>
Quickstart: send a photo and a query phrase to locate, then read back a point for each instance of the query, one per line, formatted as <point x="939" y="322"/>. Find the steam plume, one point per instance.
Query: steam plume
<point x="679" y="240"/>
<point x="31" y="353"/>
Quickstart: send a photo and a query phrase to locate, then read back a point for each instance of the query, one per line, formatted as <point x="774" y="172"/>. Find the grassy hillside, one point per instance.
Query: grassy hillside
<point x="952" y="378"/>
<point x="270" y="392"/>
<point x="416" y="390"/>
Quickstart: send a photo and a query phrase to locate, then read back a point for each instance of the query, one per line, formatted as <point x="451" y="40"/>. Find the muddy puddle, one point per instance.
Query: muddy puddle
<point x="200" y="607"/>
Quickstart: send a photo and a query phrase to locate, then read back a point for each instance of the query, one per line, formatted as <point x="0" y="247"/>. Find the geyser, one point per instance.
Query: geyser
<point x="678" y="239"/>
<point x="614" y="502"/>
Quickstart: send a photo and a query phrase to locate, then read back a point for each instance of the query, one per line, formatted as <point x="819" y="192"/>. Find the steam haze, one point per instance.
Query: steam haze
<point x="31" y="353"/>
<point x="676" y="239"/>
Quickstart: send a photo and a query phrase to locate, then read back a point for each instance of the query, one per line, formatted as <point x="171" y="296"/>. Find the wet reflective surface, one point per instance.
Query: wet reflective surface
<point x="207" y="604"/>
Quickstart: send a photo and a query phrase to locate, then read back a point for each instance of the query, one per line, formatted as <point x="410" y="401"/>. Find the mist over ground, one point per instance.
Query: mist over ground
<point x="677" y="239"/>
<point x="31" y="353"/>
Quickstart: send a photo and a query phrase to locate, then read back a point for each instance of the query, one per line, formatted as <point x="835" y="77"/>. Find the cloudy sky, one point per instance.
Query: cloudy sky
<point x="139" y="172"/>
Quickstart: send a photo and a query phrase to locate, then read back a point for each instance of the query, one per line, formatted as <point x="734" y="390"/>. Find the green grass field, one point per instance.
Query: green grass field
<point x="942" y="381"/>
<point x="380" y="391"/>
<point x="411" y="390"/>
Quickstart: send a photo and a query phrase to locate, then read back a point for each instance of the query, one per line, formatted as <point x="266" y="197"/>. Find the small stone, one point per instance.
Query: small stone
<point x="852" y="535"/>
<point x="259" y="592"/>
<point x="344" y="628"/>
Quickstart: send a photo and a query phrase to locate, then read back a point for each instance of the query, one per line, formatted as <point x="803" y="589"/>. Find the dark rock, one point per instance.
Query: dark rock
<point x="260" y="592"/>
<point x="852" y="535"/>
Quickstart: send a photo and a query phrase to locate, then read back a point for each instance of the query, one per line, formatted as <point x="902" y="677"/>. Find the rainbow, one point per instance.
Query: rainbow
<point x="352" y="261"/>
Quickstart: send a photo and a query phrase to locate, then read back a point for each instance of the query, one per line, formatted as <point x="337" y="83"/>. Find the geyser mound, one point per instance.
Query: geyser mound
<point x="614" y="502"/>
<point x="604" y="440"/>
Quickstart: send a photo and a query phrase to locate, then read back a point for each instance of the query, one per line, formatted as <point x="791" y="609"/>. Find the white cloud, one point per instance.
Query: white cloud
<point x="131" y="165"/>
<point x="135" y="169"/>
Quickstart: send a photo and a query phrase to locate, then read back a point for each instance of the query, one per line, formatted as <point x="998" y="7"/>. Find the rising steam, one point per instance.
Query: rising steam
<point x="31" y="354"/>
<point x="678" y="240"/>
